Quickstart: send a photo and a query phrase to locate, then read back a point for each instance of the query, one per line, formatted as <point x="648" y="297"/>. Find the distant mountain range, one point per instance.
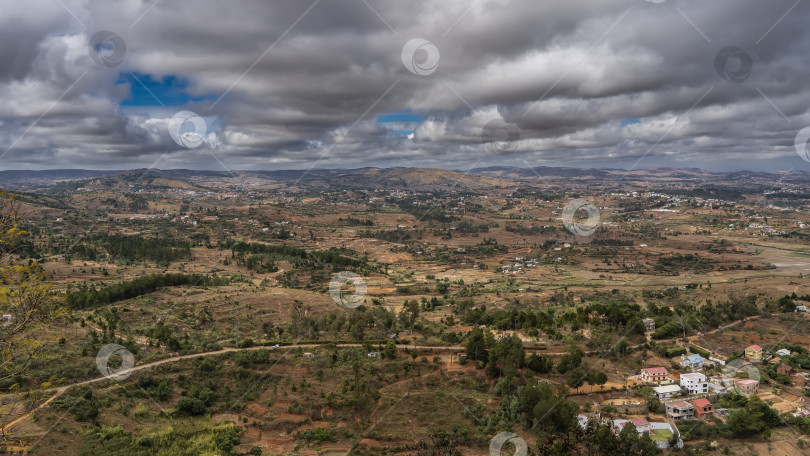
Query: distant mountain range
<point x="387" y="178"/>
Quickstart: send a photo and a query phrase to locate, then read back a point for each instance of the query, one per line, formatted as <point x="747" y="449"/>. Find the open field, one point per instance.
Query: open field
<point x="473" y="298"/>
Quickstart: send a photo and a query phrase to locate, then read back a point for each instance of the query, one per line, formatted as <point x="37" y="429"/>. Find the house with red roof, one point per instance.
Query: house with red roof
<point x="753" y="353"/>
<point x="642" y="425"/>
<point x="703" y="407"/>
<point x="654" y="374"/>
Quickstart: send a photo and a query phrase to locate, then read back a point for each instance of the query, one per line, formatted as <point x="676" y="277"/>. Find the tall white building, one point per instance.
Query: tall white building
<point x="695" y="382"/>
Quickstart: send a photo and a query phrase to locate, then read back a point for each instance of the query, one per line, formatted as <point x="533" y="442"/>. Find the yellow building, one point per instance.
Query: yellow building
<point x="753" y="353"/>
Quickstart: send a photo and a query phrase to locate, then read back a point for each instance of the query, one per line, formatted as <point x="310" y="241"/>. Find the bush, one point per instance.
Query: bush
<point x="675" y="351"/>
<point x="190" y="406"/>
<point x="699" y="351"/>
<point x="318" y="434"/>
<point x="81" y="403"/>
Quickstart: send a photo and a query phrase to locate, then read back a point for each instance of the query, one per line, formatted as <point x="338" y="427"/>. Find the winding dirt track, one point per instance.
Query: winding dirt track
<point x="60" y="390"/>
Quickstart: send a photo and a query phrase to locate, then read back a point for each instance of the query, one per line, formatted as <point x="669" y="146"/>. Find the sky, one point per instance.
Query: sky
<point x="455" y="84"/>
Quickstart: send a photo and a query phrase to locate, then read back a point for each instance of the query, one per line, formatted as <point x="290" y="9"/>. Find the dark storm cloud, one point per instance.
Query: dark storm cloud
<point x="295" y="83"/>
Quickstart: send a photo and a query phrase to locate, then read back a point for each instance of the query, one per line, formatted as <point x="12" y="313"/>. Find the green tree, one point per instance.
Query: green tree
<point x="30" y="306"/>
<point x="576" y="377"/>
<point x="477" y="346"/>
<point x="540" y="364"/>
<point x="390" y="350"/>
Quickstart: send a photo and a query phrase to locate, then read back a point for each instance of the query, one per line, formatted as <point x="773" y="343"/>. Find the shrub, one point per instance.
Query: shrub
<point x="675" y="351"/>
<point x="318" y="434"/>
<point x="190" y="406"/>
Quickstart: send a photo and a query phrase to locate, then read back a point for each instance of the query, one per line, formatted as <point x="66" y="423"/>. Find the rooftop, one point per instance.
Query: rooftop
<point x="640" y="422"/>
<point x="755" y="347"/>
<point x="702" y="402"/>
<point x="679" y="404"/>
<point x="655" y="370"/>
<point x="693" y="376"/>
<point x="667" y="389"/>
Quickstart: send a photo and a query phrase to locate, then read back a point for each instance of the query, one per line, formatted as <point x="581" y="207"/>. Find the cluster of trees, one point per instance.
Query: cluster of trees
<point x="299" y="257"/>
<point x="503" y="319"/>
<point x="88" y="297"/>
<point x="751" y="416"/>
<point x="683" y="261"/>
<point x="351" y="221"/>
<point x="543" y="409"/>
<point x="424" y="210"/>
<point x="687" y="318"/>
<point x="499" y="356"/>
<point x="625" y="317"/>
<point x="467" y="227"/>
<point x="489" y="247"/>
<point x="530" y="230"/>
<point x="261" y="263"/>
<point x="503" y="357"/>
<point x="137" y="248"/>
<point x="398" y="235"/>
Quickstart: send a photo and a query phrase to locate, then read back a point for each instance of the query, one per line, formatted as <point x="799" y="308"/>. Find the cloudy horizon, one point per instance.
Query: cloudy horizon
<point x="454" y="84"/>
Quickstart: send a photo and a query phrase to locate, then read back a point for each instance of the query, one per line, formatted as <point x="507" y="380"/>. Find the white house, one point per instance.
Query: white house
<point x="783" y="352"/>
<point x="695" y="382"/>
<point x="642" y="425"/>
<point x="666" y="391"/>
<point x="694" y="362"/>
<point x="718" y="389"/>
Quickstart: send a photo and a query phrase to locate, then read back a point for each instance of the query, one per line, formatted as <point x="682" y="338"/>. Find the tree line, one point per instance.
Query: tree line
<point x="88" y="297"/>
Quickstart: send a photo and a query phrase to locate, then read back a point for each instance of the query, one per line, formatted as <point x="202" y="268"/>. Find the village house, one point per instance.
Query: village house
<point x="717" y="388"/>
<point x="753" y="353"/>
<point x="584" y="418"/>
<point x="799" y="380"/>
<point x="783" y="352"/>
<point x="667" y="391"/>
<point x="747" y="386"/>
<point x="802" y="411"/>
<point x="653" y="374"/>
<point x="642" y="425"/>
<point x="703" y="408"/>
<point x="693" y="362"/>
<point x="649" y="324"/>
<point x="784" y="368"/>
<point x="680" y="410"/>
<point x="695" y="382"/>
